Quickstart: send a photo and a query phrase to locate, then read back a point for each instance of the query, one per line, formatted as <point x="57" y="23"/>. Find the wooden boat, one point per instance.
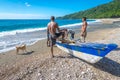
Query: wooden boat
<point x="90" y="52"/>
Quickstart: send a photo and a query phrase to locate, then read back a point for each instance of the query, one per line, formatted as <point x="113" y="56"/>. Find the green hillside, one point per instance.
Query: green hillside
<point x="109" y="10"/>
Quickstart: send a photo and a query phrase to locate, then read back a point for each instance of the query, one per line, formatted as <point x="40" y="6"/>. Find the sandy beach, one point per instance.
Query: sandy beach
<point x="37" y="63"/>
<point x="109" y="20"/>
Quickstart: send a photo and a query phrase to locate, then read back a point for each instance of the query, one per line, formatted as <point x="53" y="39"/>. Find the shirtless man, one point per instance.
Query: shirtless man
<point x="51" y="32"/>
<point x="83" y="29"/>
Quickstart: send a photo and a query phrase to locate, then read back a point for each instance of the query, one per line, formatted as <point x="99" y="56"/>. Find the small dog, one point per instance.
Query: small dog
<point x="21" y="47"/>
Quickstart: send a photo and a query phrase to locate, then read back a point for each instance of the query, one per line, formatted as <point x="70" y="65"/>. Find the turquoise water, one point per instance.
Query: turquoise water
<point x="16" y="32"/>
<point x="10" y="25"/>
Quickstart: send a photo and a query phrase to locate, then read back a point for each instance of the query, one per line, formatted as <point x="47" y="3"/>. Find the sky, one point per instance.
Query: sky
<point x="43" y="9"/>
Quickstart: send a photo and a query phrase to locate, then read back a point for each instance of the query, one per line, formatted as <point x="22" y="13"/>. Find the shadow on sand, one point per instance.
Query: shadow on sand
<point x="63" y="57"/>
<point x="117" y="49"/>
<point x="104" y="64"/>
<point x="109" y="66"/>
<point x="28" y="53"/>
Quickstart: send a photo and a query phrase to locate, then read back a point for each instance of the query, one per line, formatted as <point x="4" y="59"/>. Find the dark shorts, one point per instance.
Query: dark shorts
<point x="85" y="34"/>
<point x="54" y="37"/>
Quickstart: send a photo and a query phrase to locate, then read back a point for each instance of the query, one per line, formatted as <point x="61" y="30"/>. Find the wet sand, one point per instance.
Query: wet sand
<point x="37" y="63"/>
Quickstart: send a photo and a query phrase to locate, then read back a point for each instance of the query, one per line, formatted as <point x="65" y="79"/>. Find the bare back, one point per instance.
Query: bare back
<point x="52" y="26"/>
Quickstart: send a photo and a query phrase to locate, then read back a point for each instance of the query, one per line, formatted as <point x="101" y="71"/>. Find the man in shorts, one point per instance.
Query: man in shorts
<point x="52" y="28"/>
<point x="84" y="29"/>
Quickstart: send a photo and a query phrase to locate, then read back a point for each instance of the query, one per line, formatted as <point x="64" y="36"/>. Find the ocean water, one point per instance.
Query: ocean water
<point x="16" y="32"/>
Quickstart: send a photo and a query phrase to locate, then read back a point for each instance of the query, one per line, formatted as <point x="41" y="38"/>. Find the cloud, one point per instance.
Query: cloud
<point x="27" y="4"/>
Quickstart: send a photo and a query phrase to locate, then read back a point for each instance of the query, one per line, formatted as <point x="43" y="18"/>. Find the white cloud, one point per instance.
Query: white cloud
<point x="27" y="4"/>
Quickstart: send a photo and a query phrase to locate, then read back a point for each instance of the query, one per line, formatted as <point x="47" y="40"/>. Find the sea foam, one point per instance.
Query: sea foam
<point x="14" y="32"/>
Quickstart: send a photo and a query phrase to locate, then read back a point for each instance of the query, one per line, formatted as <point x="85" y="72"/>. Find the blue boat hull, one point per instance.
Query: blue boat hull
<point x="90" y="52"/>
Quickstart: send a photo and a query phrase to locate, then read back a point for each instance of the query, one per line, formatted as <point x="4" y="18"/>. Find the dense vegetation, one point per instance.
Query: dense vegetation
<point x="109" y="10"/>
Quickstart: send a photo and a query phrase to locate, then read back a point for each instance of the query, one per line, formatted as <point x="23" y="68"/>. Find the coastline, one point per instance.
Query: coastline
<point x="109" y="20"/>
<point x="41" y="33"/>
<point x="37" y="64"/>
<point x="10" y="39"/>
